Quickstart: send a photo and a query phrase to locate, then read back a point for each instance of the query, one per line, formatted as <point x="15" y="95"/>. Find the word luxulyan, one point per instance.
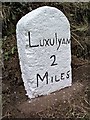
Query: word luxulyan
<point x="50" y="42"/>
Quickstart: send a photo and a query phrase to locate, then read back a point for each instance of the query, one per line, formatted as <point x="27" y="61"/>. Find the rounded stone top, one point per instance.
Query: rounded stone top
<point x="42" y="14"/>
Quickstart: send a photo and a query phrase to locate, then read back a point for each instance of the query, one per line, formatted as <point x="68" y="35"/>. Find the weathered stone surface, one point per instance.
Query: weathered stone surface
<point x="44" y="47"/>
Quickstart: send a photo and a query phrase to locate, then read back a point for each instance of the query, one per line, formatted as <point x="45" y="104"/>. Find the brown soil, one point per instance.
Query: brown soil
<point x="71" y="102"/>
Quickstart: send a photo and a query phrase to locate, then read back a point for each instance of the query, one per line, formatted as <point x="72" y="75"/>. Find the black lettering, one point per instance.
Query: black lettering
<point x="62" y="76"/>
<point x="56" y="37"/>
<point x="46" y="42"/>
<point x="63" y="41"/>
<point x="51" y="79"/>
<point x="42" y="79"/>
<point x="68" y="74"/>
<point x="41" y="43"/>
<point x="53" y="60"/>
<point x="59" y="41"/>
<point x="68" y="41"/>
<point x="51" y="42"/>
<point x="30" y="42"/>
<point x="56" y="79"/>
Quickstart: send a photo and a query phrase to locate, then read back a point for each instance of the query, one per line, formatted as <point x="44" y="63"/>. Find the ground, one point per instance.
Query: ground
<point x="71" y="102"/>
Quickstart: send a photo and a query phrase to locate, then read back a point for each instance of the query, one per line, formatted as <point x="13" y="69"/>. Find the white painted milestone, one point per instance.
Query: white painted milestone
<point x="44" y="47"/>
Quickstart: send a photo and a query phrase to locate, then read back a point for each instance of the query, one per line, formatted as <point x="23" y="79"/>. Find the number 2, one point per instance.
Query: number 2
<point x="54" y="59"/>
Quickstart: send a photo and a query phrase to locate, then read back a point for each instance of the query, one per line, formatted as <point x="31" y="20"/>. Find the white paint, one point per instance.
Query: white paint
<point x="44" y="23"/>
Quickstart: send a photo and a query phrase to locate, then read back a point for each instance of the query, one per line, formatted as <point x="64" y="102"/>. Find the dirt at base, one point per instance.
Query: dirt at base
<point x="72" y="102"/>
